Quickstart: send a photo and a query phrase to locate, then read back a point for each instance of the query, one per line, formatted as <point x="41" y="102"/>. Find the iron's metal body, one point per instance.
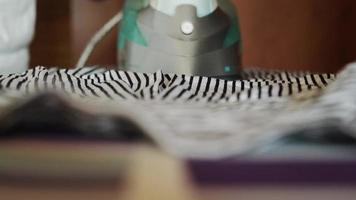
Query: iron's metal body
<point x="182" y="44"/>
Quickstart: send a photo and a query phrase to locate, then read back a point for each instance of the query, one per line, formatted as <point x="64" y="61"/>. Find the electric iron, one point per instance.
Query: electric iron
<point x="193" y="37"/>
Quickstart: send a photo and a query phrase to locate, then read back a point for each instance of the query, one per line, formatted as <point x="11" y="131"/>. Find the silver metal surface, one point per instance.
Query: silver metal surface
<point x="183" y="44"/>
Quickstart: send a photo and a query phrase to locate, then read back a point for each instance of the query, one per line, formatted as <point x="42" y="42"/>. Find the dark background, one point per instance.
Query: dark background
<point x="317" y="35"/>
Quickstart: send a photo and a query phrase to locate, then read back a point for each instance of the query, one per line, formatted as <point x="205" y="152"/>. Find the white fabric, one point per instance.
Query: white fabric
<point x="199" y="117"/>
<point x="17" y="19"/>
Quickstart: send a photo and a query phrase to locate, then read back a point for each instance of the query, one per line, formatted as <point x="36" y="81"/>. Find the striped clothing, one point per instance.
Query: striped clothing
<point x="123" y="85"/>
<point x="201" y="117"/>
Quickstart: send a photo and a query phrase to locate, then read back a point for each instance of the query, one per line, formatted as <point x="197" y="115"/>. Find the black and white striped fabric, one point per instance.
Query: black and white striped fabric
<point x="123" y="85"/>
<point x="201" y="117"/>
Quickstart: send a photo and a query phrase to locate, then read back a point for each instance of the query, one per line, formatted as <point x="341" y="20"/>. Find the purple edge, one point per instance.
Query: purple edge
<point x="207" y="173"/>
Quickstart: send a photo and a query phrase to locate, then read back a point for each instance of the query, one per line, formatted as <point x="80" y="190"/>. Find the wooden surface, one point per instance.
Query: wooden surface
<point x="148" y="174"/>
<point x="64" y="27"/>
<point x="87" y="17"/>
<point x="303" y="34"/>
<point x="317" y="35"/>
<point x="52" y="42"/>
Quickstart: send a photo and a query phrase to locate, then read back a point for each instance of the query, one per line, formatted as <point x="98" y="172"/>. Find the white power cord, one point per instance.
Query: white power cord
<point x="97" y="38"/>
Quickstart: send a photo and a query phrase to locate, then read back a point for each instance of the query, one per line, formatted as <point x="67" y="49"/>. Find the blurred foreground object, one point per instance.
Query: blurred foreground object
<point x="91" y="171"/>
<point x="17" y="18"/>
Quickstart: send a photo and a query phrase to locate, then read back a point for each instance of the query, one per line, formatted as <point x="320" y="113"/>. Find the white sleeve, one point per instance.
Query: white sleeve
<point x="17" y="19"/>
